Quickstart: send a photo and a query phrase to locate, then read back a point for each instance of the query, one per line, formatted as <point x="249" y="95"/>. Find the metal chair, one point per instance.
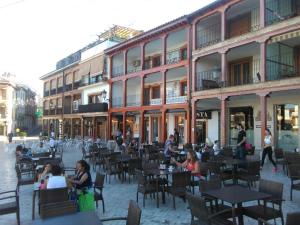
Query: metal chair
<point x="291" y="219"/>
<point x="133" y="216"/>
<point x="12" y="206"/>
<point x="25" y="178"/>
<point x="251" y="174"/>
<point x="199" y="210"/>
<point x="279" y="158"/>
<point x="144" y="187"/>
<point x="294" y="175"/>
<point x="98" y="188"/>
<point x="266" y="212"/>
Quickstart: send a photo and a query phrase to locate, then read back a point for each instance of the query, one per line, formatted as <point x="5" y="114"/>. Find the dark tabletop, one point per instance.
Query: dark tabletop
<point x="233" y="161"/>
<point x="236" y="194"/>
<point x="80" y="218"/>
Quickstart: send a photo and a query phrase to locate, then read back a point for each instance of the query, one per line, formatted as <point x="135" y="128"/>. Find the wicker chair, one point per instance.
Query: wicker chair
<point x="133" y="165"/>
<point x="291" y="219"/>
<point x="279" y="158"/>
<point x="98" y="187"/>
<point x="216" y="168"/>
<point x="25" y="178"/>
<point x="275" y="189"/>
<point x="203" y="215"/>
<point x="8" y="207"/>
<point x="133" y="216"/>
<point x="180" y="182"/>
<point x="144" y="187"/>
<point x="57" y="209"/>
<point x="294" y="175"/>
<point x="251" y="174"/>
<point x="112" y="168"/>
<point x="55" y="195"/>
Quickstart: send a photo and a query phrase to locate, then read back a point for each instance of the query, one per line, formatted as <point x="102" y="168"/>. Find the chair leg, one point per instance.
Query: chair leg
<point x="291" y="194"/>
<point x="174" y="202"/>
<point x="103" y="207"/>
<point x="97" y="204"/>
<point x="144" y="200"/>
<point x="18" y="217"/>
<point x="137" y="196"/>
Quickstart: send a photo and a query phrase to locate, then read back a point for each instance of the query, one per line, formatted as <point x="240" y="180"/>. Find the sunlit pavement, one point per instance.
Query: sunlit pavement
<point x="117" y="196"/>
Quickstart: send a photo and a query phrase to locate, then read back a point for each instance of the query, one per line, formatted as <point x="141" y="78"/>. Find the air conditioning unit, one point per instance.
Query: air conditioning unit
<point x="136" y="63"/>
<point x="75" y="105"/>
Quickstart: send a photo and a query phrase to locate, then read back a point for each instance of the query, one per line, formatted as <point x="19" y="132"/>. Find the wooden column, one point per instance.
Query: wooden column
<point x="142" y="127"/>
<point x="164" y="48"/>
<point x="223" y="120"/>
<point x="163" y="125"/>
<point x="263" y="115"/>
<point x="124" y="93"/>
<point x="262" y="13"/>
<point x="124" y="126"/>
<point x="163" y="91"/>
<point x="110" y="66"/>
<point x="109" y="118"/>
<point x="224" y="67"/>
<point x="142" y="55"/>
<point x="263" y="61"/>
<point x="193" y="122"/>
<point x="71" y="130"/>
<point x="223" y="25"/>
<point x="125" y="62"/>
<point x="142" y="90"/>
<point x="193" y="75"/>
<point x="194" y="35"/>
<point x="110" y="95"/>
<point x="150" y="129"/>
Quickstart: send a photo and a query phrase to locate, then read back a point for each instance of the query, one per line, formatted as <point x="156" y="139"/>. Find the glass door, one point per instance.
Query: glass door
<point x="201" y="134"/>
<point x="155" y="129"/>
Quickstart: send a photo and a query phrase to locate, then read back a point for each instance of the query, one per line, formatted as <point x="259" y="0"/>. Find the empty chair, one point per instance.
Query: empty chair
<point x="251" y="174"/>
<point x="291" y="219"/>
<point x="201" y="215"/>
<point x="133" y="165"/>
<point x="267" y="212"/>
<point x="279" y="157"/>
<point x="57" y="209"/>
<point x="180" y="182"/>
<point x="9" y="203"/>
<point x="133" y="216"/>
<point x="98" y="187"/>
<point x="144" y="187"/>
<point x="25" y="178"/>
<point x="294" y="175"/>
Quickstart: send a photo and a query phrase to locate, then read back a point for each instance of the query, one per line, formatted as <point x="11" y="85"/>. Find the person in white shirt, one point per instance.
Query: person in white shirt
<point x="216" y="148"/>
<point x="56" y="180"/>
<point x="268" y="142"/>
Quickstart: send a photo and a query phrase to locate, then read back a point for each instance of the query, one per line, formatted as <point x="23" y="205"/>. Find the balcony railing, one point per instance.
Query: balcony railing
<point x="52" y="111"/>
<point x="93" y="107"/>
<point x="278" y="10"/>
<point x="133" y="100"/>
<point x="68" y="87"/>
<point x="208" y="80"/>
<point x="176" y="55"/>
<point x="281" y="67"/>
<point x="117" y="102"/>
<point x="117" y="71"/>
<point x="133" y="69"/>
<point x="46" y="112"/>
<point x="67" y="110"/>
<point x="46" y="93"/>
<point x="176" y="99"/>
<point x="59" y="90"/>
<point x="59" y="111"/>
<point x="53" y="92"/>
<point x="76" y="84"/>
<point x="157" y="101"/>
<point x="209" y="35"/>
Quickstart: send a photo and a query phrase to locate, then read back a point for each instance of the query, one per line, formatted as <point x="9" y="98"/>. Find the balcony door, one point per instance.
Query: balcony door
<point x="240" y="72"/>
<point x="147" y="96"/>
<point x="239" y="25"/>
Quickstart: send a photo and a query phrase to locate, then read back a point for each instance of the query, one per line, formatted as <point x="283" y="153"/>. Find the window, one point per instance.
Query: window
<point x="46" y="105"/>
<point x="53" y="84"/>
<point x="240" y="73"/>
<point x="3" y="94"/>
<point x="68" y="79"/>
<point x="156" y="61"/>
<point x="46" y="86"/>
<point x="183" y="88"/>
<point x="95" y="98"/>
<point x="156" y="92"/>
<point x="59" y="103"/>
<point x="60" y="82"/>
<point x="76" y="76"/>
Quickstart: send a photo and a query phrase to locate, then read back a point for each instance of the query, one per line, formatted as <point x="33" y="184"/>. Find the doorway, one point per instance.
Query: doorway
<point x="201" y="131"/>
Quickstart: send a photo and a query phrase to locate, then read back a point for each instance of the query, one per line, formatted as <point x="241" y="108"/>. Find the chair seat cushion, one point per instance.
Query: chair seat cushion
<point x="9" y="207"/>
<point x="259" y="211"/>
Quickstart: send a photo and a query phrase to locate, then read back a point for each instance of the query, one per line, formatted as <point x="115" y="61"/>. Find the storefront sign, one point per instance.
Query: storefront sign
<point x="203" y="115"/>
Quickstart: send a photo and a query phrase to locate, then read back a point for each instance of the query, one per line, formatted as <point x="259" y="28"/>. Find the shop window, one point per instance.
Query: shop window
<point x="287" y="126"/>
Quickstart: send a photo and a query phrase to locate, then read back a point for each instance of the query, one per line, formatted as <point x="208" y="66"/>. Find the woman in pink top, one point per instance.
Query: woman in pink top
<point x="191" y="163"/>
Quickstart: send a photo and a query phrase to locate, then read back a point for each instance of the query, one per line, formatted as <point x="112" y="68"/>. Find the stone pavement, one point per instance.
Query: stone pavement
<point x="117" y="195"/>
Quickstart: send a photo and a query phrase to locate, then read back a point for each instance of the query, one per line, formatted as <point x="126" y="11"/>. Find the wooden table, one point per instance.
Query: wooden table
<point x="79" y="218"/>
<point x="236" y="195"/>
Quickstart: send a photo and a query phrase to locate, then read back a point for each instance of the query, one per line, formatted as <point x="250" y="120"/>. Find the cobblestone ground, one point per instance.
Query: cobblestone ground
<point x="117" y="196"/>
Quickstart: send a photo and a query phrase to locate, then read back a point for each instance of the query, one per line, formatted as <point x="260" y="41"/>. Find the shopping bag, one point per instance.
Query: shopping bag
<point x="86" y="202"/>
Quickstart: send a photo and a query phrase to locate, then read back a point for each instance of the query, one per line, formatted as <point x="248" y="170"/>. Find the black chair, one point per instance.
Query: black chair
<point x="98" y="188"/>
<point x="133" y="216"/>
<point x="25" y="178"/>
<point x="10" y="206"/>
<point x="265" y="211"/>
<point x="294" y="175"/>
<point x="291" y="219"/>
<point x="279" y="158"/>
<point x="145" y="186"/>
<point x="251" y="174"/>
<point x="180" y="182"/>
<point x="133" y="165"/>
<point x="203" y="215"/>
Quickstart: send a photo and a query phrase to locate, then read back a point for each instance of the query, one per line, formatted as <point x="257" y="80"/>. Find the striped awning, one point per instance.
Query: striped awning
<point x="284" y="36"/>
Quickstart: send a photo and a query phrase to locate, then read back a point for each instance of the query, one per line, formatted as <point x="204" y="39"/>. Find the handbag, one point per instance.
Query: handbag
<point x="86" y="201"/>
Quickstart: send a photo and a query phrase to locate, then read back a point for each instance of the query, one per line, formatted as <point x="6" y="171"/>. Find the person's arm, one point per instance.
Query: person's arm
<point x="83" y="179"/>
<point x="178" y="164"/>
<point x="172" y="150"/>
<point x="197" y="168"/>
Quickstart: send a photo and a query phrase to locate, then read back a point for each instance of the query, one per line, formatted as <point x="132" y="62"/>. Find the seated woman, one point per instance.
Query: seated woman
<point x="56" y="180"/>
<point x="82" y="179"/>
<point x="191" y="163"/>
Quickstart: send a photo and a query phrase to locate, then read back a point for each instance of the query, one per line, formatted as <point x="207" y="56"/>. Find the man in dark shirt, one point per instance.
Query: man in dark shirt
<point x="241" y="141"/>
<point x="176" y="137"/>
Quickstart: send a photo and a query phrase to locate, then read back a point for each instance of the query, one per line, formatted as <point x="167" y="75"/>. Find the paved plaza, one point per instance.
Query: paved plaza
<point x="117" y="196"/>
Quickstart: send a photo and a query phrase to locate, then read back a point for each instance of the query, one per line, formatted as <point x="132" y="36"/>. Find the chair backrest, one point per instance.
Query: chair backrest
<point x="293" y="218"/>
<point x="135" y="164"/>
<point x="292" y="157"/>
<point x="207" y="185"/>
<point x="278" y="152"/>
<point x="293" y="170"/>
<point x="227" y="151"/>
<point x="197" y="206"/>
<point x="140" y="177"/>
<point x="99" y="180"/>
<point x="214" y="167"/>
<point x="149" y="166"/>
<point x="253" y="167"/>
<point x="57" y="209"/>
<point x="53" y="195"/>
<point x="134" y="214"/>
<point x="181" y="179"/>
<point x="273" y="188"/>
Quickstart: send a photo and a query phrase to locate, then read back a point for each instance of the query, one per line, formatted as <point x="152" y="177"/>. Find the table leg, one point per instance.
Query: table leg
<point x="240" y="216"/>
<point x="157" y="191"/>
<point x="33" y="204"/>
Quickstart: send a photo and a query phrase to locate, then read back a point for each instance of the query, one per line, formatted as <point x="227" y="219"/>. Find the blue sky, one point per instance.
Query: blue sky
<point x="35" y="34"/>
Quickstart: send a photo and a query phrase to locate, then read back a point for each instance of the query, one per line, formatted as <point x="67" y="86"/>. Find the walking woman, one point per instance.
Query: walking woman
<point x="268" y="141"/>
